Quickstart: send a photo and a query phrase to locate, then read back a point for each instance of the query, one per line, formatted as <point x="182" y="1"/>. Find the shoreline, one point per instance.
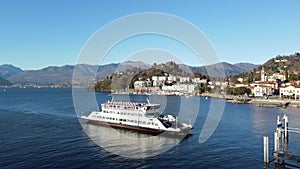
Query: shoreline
<point x="261" y="102"/>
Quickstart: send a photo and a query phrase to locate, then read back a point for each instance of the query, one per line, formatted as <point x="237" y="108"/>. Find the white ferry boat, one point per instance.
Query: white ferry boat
<point x="142" y="117"/>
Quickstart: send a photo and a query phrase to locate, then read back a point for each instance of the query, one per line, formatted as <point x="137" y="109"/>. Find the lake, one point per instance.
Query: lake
<point x="39" y="129"/>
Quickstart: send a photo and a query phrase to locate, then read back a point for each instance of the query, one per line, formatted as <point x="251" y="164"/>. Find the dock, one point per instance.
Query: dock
<point x="281" y="156"/>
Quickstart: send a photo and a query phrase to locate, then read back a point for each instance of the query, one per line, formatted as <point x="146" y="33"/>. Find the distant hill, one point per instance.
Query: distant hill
<point x="7" y="71"/>
<point x="60" y="74"/>
<point x="4" y="82"/>
<point x="46" y="76"/>
<point x="224" y="68"/>
<point x="244" y="67"/>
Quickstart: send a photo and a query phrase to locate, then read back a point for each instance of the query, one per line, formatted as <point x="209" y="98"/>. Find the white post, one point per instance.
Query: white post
<point x="266" y="151"/>
<point x="286" y="121"/>
<point x="276" y="147"/>
<point x="176" y="121"/>
<point x="276" y="141"/>
<point x="278" y="122"/>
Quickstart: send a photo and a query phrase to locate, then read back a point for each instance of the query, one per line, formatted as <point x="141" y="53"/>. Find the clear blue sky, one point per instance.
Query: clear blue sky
<point x="38" y="33"/>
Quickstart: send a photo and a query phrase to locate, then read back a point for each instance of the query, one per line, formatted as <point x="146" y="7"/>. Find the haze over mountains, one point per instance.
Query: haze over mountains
<point x="63" y="74"/>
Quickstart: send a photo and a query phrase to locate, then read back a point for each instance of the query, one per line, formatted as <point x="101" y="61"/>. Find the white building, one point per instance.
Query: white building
<point x="199" y="81"/>
<point x="275" y="76"/>
<point x="158" y="80"/>
<point x="261" y="90"/>
<point x="271" y="78"/>
<point x="172" y="78"/>
<point x="290" y="91"/>
<point x="154" y="78"/>
<point x="140" y="84"/>
<point x="184" y="79"/>
<point x="162" y="78"/>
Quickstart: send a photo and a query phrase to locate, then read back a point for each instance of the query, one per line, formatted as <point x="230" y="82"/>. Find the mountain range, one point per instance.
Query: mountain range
<point x="62" y="74"/>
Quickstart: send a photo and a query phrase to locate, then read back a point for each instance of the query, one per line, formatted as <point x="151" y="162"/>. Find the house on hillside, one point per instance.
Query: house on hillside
<point x="271" y="78"/>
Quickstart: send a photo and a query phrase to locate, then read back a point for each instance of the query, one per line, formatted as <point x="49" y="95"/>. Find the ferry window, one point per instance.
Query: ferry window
<point x="148" y="123"/>
<point x="135" y="121"/>
<point x="152" y="123"/>
<point x="156" y="124"/>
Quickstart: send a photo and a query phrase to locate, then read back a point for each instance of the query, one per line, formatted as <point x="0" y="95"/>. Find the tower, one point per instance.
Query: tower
<point x="262" y="75"/>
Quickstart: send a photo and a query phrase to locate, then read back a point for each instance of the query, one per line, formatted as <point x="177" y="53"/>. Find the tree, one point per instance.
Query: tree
<point x="206" y="87"/>
<point x="286" y="74"/>
<point x="238" y="91"/>
<point x="293" y="77"/>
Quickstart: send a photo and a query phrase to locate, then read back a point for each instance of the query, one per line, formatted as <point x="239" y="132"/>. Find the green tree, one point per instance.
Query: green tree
<point x="293" y="77"/>
<point x="238" y="91"/>
<point x="286" y="74"/>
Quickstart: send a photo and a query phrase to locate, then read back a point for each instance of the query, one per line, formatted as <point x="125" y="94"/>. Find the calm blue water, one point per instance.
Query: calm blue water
<point x="39" y="129"/>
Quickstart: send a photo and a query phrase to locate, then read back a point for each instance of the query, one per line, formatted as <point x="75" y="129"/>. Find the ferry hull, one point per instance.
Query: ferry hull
<point x="182" y="133"/>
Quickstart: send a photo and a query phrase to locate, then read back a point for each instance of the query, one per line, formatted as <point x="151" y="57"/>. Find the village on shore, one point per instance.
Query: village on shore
<point x="272" y="90"/>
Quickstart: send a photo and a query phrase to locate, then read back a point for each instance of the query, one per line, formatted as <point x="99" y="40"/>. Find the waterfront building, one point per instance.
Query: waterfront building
<point x="290" y="91"/>
<point x="139" y="84"/>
